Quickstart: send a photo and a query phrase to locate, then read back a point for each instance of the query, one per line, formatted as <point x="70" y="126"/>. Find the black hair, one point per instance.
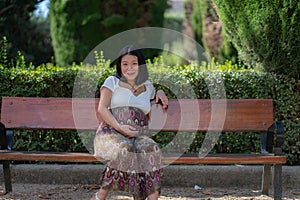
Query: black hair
<point x="143" y="74"/>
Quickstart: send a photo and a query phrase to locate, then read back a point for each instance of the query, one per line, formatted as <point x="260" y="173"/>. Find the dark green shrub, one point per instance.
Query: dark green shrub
<point x="265" y="33"/>
<point x="48" y="141"/>
<point x="77" y="26"/>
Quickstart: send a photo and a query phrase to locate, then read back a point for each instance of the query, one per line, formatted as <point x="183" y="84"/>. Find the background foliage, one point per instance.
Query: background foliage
<point x="24" y="32"/>
<point x="77" y="26"/>
<point x="265" y="33"/>
<point x="204" y="13"/>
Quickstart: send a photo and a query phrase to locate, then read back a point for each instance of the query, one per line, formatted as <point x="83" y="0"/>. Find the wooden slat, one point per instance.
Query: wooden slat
<point x="214" y="115"/>
<point x="48" y="156"/>
<point x="47" y="113"/>
<point x="183" y="114"/>
<point x="227" y="159"/>
<point x="86" y="157"/>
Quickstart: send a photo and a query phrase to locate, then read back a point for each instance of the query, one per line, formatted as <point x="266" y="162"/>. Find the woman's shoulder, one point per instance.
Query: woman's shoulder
<point x="111" y="80"/>
<point x="148" y="83"/>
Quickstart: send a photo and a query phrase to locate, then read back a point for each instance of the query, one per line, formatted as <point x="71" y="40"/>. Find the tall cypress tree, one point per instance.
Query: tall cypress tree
<point x="77" y="26"/>
<point x="265" y="33"/>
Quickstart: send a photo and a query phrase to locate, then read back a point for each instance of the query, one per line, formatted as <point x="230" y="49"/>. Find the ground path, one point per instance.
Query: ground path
<point x="82" y="192"/>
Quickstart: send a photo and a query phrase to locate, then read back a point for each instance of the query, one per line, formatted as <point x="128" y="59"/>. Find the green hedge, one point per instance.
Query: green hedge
<point x="52" y="81"/>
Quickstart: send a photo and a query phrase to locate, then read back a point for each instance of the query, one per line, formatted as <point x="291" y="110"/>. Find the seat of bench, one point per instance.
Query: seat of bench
<point x="167" y="159"/>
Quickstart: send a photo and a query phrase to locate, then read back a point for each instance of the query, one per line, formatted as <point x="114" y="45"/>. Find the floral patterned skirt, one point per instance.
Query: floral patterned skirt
<point x="133" y="164"/>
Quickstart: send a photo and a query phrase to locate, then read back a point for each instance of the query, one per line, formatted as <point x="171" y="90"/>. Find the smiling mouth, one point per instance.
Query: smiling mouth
<point x="130" y="74"/>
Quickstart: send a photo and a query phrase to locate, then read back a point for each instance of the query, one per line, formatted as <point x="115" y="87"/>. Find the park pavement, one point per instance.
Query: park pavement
<point x="179" y="181"/>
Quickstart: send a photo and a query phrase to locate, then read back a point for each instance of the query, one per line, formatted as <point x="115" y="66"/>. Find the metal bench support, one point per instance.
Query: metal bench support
<point x="266" y="179"/>
<point x="277" y="181"/>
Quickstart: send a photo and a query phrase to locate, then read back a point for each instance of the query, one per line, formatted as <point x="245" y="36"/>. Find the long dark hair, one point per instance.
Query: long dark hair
<point x="143" y="74"/>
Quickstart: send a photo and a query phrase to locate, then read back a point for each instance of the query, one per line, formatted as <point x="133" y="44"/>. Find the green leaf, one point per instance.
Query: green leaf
<point x="113" y="20"/>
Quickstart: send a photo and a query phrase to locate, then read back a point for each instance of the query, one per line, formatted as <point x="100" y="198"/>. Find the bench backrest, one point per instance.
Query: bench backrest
<point x="184" y="114"/>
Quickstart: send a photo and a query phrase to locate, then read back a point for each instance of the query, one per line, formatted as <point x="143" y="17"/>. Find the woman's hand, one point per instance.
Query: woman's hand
<point x="128" y="131"/>
<point x="161" y="96"/>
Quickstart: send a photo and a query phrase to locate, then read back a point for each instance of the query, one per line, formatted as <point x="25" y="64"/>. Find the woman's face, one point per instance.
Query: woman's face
<point x="130" y="67"/>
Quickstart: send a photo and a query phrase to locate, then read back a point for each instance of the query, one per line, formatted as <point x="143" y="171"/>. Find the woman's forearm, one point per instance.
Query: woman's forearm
<point x="108" y="118"/>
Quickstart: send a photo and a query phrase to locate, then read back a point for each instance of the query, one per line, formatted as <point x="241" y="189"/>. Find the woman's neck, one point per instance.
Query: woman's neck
<point x="135" y="89"/>
<point x="131" y="83"/>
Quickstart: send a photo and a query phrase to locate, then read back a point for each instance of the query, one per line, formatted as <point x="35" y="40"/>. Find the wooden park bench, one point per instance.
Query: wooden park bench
<point x="231" y="115"/>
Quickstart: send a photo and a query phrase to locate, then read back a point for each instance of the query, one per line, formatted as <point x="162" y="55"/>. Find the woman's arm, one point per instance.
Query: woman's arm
<point x="106" y="115"/>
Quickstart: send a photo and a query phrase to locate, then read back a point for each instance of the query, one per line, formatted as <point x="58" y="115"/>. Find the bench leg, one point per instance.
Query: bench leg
<point x="266" y="179"/>
<point x="277" y="181"/>
<point x="7" y="176"/>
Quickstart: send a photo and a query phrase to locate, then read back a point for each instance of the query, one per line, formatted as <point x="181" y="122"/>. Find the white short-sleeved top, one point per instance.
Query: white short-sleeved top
<point x="122" y="96"/>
